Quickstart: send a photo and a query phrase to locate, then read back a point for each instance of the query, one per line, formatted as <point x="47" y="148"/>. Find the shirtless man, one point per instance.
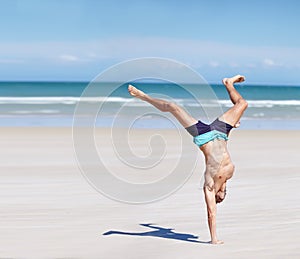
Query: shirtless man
<point x="212" y="141"/>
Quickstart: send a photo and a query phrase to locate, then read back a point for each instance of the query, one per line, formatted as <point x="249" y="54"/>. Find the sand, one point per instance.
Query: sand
<point x="48" y="210"/>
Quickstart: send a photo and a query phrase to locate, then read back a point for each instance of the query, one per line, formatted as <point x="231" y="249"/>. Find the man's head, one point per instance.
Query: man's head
<point x="220" y="196"/>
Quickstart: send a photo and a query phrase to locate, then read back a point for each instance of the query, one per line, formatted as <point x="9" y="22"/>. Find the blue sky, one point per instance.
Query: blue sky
<point x="76" y="40"/>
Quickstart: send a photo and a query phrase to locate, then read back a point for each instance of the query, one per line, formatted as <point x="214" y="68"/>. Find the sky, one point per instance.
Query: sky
<point x="68" y="40"/>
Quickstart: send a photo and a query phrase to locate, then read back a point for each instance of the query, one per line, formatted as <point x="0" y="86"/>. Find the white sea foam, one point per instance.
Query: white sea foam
<point x="264" y="103"/>
<point x="38" y="100"/>
<point x="260" y="114"/>
<point x="136" y="102"/>
<point x="43" y="111"/>
<point x="59" y="100"/>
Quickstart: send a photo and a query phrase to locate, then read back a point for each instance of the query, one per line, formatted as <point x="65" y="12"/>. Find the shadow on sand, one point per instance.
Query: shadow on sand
<point x="159" y="232"/>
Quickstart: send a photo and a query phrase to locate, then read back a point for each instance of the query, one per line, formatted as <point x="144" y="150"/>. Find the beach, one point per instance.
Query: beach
<point x="48" y="209"/>
<point x="91" y="168"/>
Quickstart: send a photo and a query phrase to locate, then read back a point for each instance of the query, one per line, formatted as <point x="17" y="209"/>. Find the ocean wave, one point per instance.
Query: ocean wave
<point x="39" y="100"/>
<point x="42" y="111"/>
<point x="136" y="102"/>
<point x="264" y="103"/>
<point x="61" y="100"/>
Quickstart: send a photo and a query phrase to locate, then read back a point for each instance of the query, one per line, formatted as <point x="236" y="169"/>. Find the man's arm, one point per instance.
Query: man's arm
<point x="211" y="205"/>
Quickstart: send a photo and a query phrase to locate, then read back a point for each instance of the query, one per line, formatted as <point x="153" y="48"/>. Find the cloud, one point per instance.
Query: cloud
<point x="233" y="64"/>
<point x="214" y="63"/>
<point x="68" y="58"/>
<point x="270" y="63"/>
<point x="196" y="52"/>
<point x="208" y="57"/>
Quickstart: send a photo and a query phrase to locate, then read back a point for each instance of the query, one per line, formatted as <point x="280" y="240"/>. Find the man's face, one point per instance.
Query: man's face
<point x="220" y="196"/>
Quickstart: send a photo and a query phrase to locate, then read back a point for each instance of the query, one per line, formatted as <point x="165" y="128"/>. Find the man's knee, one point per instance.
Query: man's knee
<point x="170" y="107"/>
<point x="242" y="103"/>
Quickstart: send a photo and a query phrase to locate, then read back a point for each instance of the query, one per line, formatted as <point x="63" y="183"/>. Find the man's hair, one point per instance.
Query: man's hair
<point x="217" y="197"/>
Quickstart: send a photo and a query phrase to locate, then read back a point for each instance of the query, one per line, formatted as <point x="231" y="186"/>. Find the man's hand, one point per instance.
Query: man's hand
<point x="217" y="242"/>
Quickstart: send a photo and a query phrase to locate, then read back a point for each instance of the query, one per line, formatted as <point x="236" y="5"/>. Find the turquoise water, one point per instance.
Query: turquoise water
<point x="53" y="103"/>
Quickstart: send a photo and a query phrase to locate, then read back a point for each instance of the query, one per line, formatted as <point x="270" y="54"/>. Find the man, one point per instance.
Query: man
<point x="212" y="141"/>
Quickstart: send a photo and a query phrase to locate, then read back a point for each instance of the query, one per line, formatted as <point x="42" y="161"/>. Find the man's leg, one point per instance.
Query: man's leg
<point x="233" y="115"/>
<point x="180" y="114"/>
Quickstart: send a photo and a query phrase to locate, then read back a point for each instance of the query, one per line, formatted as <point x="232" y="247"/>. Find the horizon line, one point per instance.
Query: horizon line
<point x="145" y="82"/>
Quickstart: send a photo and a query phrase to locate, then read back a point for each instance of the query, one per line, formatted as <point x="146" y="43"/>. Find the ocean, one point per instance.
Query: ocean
<point x="52" y="104"/>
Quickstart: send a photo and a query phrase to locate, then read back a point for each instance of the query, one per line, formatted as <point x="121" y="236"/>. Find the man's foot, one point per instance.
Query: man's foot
<point x="234" y="79"/>
<point x="135" y="92"/>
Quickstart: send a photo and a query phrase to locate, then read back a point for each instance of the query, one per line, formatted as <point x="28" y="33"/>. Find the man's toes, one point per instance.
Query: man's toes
<point x="241" y="78"/>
